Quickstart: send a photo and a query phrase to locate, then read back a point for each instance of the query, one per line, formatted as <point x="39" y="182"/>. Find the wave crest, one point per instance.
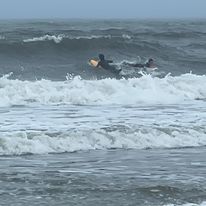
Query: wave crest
<point x="147" y="90"/>
<point x="24" y="142"/>
<point x="57" y="39"/>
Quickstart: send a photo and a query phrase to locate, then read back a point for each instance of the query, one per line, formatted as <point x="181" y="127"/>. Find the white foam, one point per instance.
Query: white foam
<point x="126" y="36"/>
<point x="56" y="39"/>
<point x="41" y="127"/>
<point x="144" y="90"/>
<point x="39" y="142"/>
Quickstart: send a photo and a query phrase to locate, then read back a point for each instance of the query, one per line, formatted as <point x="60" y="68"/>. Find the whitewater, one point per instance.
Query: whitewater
<point x="146" y="90"/>
<point x="144" y="98"/>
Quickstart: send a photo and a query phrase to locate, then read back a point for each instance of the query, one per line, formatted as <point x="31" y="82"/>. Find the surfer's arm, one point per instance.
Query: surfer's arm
<point x="109" y="61"/>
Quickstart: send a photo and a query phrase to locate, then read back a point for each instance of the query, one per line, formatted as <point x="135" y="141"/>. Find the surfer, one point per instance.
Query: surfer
<point x="105" y="64"/>
<point x="149" y="64"/>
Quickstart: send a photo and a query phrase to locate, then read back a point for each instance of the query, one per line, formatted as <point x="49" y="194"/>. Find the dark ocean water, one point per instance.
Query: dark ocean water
<point x="74" y="135"/>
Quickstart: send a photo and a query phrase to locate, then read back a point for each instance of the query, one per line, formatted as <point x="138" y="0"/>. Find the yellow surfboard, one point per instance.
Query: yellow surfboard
<point x="93" y="62"/>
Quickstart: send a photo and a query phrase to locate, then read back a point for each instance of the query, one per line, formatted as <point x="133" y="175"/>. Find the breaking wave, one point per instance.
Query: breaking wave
<point x="41" y="142"/>
<point x="147" y="90"/>
<point x="58" y="38"/>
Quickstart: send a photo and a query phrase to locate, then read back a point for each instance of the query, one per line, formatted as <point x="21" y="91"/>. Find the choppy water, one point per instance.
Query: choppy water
<point x="72" y="135"/>
<point x="115" y="177"/>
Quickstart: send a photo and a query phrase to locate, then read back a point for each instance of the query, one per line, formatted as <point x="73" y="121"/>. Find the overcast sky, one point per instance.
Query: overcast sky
<point x="102" y="9"/>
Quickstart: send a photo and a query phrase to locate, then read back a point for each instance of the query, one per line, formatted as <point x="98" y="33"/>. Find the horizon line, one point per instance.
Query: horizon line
<point x="105" y="18"/>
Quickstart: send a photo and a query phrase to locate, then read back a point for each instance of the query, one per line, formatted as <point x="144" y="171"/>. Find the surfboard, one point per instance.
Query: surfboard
<point x="93" y="62"/>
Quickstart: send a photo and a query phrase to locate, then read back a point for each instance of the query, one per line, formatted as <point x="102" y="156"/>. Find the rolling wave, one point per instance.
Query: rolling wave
<point x="71" y="43"/>
<point x="58" y="45"/>
<point x="40" y="142"/>
<point x="168" y="90"/>
<point x="57" y="39"/>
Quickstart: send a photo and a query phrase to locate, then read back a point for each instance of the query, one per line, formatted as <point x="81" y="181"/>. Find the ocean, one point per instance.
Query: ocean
<point x="71" y="134"/>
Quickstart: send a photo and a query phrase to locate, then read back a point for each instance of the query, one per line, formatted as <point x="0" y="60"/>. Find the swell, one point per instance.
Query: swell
<point x="107" y="38"/>
<point x="50" y="45"/>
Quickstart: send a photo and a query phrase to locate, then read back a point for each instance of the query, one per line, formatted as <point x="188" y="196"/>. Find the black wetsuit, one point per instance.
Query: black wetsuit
<point x="105" y="65"/>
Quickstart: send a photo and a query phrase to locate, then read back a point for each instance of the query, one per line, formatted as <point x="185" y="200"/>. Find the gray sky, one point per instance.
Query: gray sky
<point x="102" y="9"/>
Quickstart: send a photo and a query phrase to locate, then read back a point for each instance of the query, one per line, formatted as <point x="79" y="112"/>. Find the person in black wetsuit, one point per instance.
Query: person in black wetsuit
<point x="105" y="64"/>
<point x="149" y="64"/>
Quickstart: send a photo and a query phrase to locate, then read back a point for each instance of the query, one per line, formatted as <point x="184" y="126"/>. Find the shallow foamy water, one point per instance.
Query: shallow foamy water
<point x="69" y="128"/>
